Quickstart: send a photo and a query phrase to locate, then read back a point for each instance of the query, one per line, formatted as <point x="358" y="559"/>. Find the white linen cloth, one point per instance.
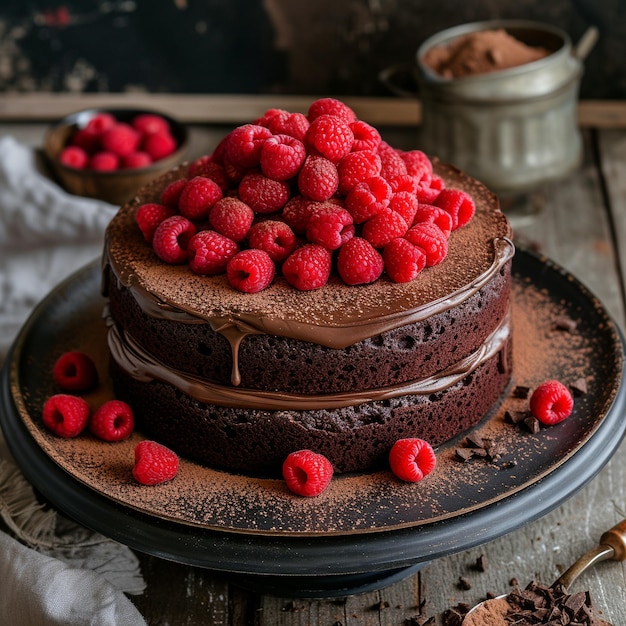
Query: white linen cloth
<point x="52" y="570"/>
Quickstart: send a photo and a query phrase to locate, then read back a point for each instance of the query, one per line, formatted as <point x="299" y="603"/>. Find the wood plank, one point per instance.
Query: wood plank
<point x="234" y="109"/>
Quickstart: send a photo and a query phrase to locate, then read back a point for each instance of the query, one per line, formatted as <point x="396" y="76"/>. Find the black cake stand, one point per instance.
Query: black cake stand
<point x="348" y="549"/>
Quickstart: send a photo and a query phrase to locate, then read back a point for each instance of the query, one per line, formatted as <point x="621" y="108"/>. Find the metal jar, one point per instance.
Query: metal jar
<point x="512" y="129"/>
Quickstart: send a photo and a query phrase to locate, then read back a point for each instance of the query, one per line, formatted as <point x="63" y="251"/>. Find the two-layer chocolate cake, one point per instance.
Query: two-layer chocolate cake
<point x="239" y="380"/>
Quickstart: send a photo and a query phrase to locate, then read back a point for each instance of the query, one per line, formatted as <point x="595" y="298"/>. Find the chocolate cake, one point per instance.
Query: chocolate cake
<point x="239" y="380"/>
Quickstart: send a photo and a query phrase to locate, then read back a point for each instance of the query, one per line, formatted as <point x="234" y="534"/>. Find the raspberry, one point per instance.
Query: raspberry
<point x="330" y="226"/>
<point x="404" y="203"/>
<point x="159" y="145"/>
<point x="149" y="123"/>
<point x="171" y="194"/>
<point x="104" y="162"/>
<point x="318" y="179"/>
<point x="210" y="252"/>
<point x="429" y="187"/>
<point x="210" y="169"/>
<point x="120" y="139"/>
<point x="458" y="203"/>
<point x="392" y="163"/>
<point x="198" y="197"/>
<point x="65" y="415"/>
<point x="219" y="152"/>
<point x="436" y="215"/>
<point x="101" y="122"/>
<point x="297" y="212"/>
<point x="308" y="267"/>
<point x="282" y="157"/>
<point x="136" y="160"/>
<point x="412" y="459"/>
<point x="265" y="119"/>
<point x="250" y="271"/>
<point x="417" y="163"/>
<point x="358" y="262"/>
<point x="234" y="173"/>
<point x="551" y="402"/>
<point x="86" y="139"/>
<point x="404" y="182"/>
<point x="262" y="194"/>
<point x="74" y="156"/>
<point x="366" y="137"/>
<point x="431" y="239"/>
<point x="292" y="124"/>
<point x="113" y="421"/>
<point x="171" y="239"/>
<point x="357" y="167"/>
<point x="232" y="218"/>
<point x="330" y="137"/>
<point x="154" y="463"/>
<point x="331" y="106"/>
<point x="307" y="473"/>
<point x="273" y="237"/>
<point x="245" y="143"/>
<point x="383" y="227"/>
<point x="403" y="260"/>
<point x="368" y="198"/>
<point x="75" y="371"/>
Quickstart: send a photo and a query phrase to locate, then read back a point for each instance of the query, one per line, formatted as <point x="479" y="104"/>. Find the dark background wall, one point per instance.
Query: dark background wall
<point x="329" y="47"/>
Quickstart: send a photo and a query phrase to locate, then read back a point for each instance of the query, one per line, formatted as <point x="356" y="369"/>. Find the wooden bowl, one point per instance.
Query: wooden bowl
<point x="118" y="186"/>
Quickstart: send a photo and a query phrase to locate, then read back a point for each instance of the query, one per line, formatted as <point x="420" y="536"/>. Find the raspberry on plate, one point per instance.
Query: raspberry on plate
<point x="209" y="252"/>
<point x="436" y="215"/>
<point x="65" y="415"/>
<point x="171" y="194"/>
<point x="403" y="260"/>
<point x="405" y="204"/>
<point x="75" y="371"/>
<point x="154" y="463"/>
<point x="171" y="239"/>
<point x="392" y="163"/>
<point x="359" y="263"/>
<point x="297" y="212"/>
<point x="307" y="473"/>
<point x="308" y="267"/>
<point x="112" y="421"/>
<point x="207" y="167"/>
<point x="250" y="271"/>
<point x="293" y="124"/>
<point x="366" y="137"/>
<point x="412" y="459"/>
<point x="551" y="402"/>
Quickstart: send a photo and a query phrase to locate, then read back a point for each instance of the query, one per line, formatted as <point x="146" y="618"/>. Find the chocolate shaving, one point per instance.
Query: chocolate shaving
<point x="565" y="323"/>
<point x="579" y="387"/>
<point x="521" y="392"/>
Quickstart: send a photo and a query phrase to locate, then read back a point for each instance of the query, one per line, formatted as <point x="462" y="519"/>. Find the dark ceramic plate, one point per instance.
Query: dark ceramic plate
<point x="367" y="529"/>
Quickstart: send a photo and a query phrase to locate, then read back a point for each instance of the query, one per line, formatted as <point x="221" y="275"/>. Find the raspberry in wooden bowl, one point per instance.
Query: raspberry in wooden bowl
<point x="110" y="153"/>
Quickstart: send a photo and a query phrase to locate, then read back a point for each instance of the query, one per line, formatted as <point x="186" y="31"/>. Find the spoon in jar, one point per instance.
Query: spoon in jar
<point x="612" y="545"/>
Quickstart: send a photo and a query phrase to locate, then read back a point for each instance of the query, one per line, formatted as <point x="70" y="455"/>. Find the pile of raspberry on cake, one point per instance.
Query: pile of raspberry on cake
<point x="294" y="193"/>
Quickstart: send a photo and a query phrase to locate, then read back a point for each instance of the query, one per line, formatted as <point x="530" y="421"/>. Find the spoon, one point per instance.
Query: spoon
<point x="612" y="545"/>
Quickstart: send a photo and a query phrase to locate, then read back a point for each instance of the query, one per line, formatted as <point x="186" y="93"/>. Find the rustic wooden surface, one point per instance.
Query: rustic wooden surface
<point x="580" y="222"/>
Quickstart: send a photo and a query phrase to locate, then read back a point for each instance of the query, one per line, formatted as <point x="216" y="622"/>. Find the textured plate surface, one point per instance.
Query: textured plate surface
<point x="252" y="525"/>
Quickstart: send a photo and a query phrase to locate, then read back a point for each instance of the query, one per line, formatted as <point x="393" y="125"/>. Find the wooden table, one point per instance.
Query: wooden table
<point x="579" y="222"/>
